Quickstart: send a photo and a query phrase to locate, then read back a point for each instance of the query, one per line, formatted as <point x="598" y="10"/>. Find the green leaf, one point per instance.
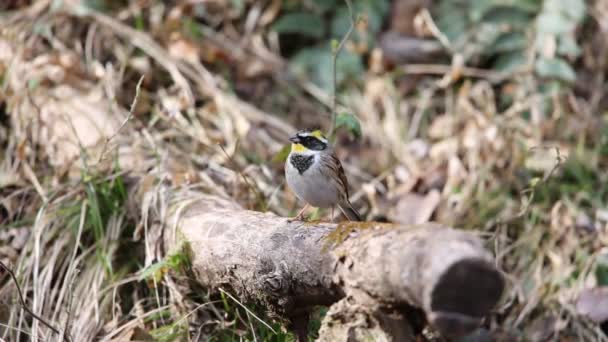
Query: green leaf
<point x="324" y="5"/>
<point x="573" y="9"/>
<point x="555" y="68"/>
<point x="576" y="9"/>
<point x="567" y="46"/>
<point x="175" y="261"/>
<point x="281" y="156"/>
<point x="530" y="6"/>
<point x="193" y="28"/>
<point x="169" y="333"/>
<point x="554" y="23"/>
<point x="154" y="271"/>
<point x="601" y="270"/>
<point x="33" y="83"/>
<point x="509" y="61"/>
<point x="334" y="45"/>
<point x="350" y="122"/>
<point x="513" y="41"/>
<point x="306" y="24"/>
<point x="349" y="65"/>
<point x="479" y="8"/>
<point x="452" y="22"/>
<point x="97" y="5"/>
<point x="506" y="16"/>
<point x="316" y="64"/>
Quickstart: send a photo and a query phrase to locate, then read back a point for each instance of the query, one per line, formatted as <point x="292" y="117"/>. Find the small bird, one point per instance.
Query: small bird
<point x="316" y="176"/>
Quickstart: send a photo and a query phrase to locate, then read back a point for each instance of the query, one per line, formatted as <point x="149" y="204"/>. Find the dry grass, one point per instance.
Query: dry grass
<point x="80" y="217"/>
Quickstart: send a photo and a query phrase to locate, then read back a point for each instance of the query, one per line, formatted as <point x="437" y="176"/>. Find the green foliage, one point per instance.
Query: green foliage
<point x="316" y="319"/>
<point x="506" y="33"/>
<point x="603" y="145"/>
<point x="350" y="122"/>
<point x="576" y="179"/>
<point x="601" y="270"/>
<point x="555" y="68"/>
<point x="315" y="62"/>
<point x="105" y="199"/>
<point x="324" y="5"/>
<point x="106" y="6"/>
<point x="172" y="262"/>
<point x="33" y="83"/>
<point x="306" y="24"/>
<point x="170" y="333"/>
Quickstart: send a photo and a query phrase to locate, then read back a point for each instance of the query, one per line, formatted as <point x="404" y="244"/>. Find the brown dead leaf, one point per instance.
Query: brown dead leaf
<point x="542" y="329"/>
<point x="443" y="126"/>
<point x="270" y="13"/>
<point x="418" y="148"/>
<point x="181" y="48"/>
<point x="444" y="149"/>
<point x="407" y="180"/>
<point x="593" y="303"/>
<point x="545" y="159"/>
<point x="414" y="208"/>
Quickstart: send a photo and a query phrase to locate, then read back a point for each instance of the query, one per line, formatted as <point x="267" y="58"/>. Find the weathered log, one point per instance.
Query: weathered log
<point x="378" y="272"/>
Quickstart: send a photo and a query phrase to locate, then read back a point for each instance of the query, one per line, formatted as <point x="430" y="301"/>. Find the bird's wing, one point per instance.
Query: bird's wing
<point x="331" y="167"/>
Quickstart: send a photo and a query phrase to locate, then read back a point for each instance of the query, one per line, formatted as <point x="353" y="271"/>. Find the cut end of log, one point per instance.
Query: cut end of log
<point x="464" y="295"/>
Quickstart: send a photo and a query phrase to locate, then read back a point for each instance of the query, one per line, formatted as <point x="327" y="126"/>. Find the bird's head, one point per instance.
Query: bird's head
<point x="308" y="140"/>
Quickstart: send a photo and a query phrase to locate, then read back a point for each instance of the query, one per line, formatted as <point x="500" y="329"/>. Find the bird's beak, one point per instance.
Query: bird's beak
<point x="295" y="139"/>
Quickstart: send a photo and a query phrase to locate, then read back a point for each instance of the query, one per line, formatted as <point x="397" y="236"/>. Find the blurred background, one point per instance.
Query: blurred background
<point x="486" y="115"/>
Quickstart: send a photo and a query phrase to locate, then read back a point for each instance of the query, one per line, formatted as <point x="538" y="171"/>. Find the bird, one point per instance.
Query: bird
<point x="316" y="176"/>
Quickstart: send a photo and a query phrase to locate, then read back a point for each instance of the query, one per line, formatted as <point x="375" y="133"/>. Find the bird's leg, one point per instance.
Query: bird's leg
<point x="300" y="215"/>
<point x="332" y="214"/>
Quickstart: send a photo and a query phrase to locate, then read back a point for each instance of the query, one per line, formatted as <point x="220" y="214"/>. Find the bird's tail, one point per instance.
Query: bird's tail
<point x="350" y="212"/>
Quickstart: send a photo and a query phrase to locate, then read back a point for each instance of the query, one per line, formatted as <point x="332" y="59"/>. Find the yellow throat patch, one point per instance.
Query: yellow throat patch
<point x="298" y="148"/>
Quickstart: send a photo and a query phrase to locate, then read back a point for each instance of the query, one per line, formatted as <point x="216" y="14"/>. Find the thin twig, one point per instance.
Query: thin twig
<point x="335" y="52"/>
<point x="258" y="195"/>
<point x="247" y="310"/>
<point x="530" y="192"/>
<point x="442" y="69"/>
<point x="66" y="337"/>
<point x="435" y="31"/>
<point x="129" y="116"/>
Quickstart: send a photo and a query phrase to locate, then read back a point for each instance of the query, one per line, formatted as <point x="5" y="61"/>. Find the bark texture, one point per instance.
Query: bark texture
<point x="374" y="277"/>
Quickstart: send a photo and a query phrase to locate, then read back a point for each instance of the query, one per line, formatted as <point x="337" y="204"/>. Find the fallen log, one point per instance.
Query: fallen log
<point x="372" y="274"/>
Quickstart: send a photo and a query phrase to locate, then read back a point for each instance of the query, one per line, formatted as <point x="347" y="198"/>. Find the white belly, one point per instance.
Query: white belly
<point x="312" y="186"/>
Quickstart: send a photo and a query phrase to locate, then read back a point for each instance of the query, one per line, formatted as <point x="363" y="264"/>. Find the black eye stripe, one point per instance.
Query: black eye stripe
<point x="313" y="143"/>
